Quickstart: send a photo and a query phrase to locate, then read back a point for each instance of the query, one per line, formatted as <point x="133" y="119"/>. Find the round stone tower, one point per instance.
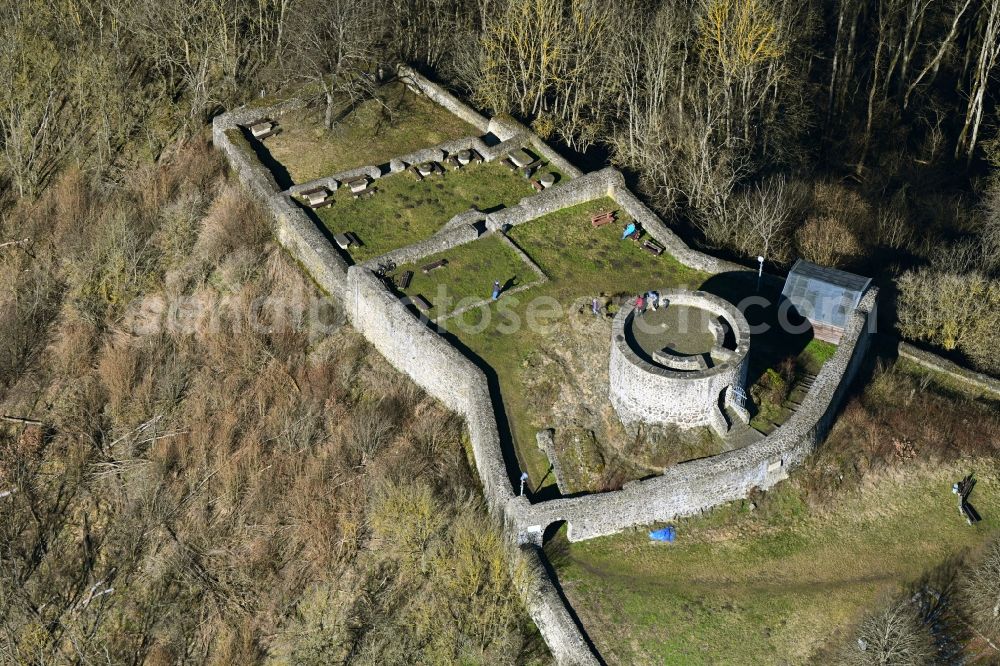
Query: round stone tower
<point x="684" y="363"/>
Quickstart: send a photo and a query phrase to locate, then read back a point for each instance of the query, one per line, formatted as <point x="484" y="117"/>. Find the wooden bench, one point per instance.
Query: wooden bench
<point x="434" y="265"/>
<point x="508" y="163"/>
<point x="412" y="169"/>
<point x="366" y="193"/>
<point x="351" y="236"/>
<point x="537" y="185"/>
<point x="318" y="197"/>
<point x="343" y="241"/>
<point x="600" y="219"/>
<point x="404" y="279"/>
<point x="421" y="303"/>
<point x="652" y="247"/>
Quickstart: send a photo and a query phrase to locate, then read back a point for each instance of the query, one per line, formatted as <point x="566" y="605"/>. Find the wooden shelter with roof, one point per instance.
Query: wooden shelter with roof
<point x="825" y="296"/>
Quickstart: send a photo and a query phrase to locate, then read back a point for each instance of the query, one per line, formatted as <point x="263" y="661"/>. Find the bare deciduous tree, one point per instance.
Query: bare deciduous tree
<point x="982" y="589"/>
<point x="334" y="49"/>
<point x="894" y="636"/>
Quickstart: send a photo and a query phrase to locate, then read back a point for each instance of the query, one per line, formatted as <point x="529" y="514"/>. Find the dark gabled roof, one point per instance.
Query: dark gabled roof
<point x="824" y="295"/>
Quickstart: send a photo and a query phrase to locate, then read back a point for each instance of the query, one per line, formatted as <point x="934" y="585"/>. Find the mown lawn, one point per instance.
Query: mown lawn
<point x="404" y="210"/>
<point x="397" y="123"/>
<point x="468" y="277"/>
<point x="742" y="587"/>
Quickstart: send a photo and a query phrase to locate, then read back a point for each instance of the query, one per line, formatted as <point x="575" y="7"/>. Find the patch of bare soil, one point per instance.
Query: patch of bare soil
<point x="568" y="378"/>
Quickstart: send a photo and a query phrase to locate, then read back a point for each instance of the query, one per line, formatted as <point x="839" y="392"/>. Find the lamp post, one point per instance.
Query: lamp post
<point x="524" y="478"/>
<point x="760" y="270"/>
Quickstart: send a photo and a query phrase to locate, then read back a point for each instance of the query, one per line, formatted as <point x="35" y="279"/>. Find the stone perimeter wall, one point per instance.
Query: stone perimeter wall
<point x="698" y="485"/>
<point x="440" y="369"/>
<point x="294" y="230"/>
<point x="446" y="374"/>
<point x="412" y="348"/>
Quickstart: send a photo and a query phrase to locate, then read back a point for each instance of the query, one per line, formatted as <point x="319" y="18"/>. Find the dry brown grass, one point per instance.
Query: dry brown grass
<point x="213" y="473"/>
<point x="879" y="432"/>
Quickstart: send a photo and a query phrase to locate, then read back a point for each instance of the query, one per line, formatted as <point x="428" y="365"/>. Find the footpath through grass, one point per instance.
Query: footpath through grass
<point x="739" y="588"/>
<point x="404" y="210"/>
<point x="396" y="123"/>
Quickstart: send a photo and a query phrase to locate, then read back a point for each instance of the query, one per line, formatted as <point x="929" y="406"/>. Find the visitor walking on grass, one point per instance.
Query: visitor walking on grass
<point x="595" y="307"/>
<point x="496" y="289"/>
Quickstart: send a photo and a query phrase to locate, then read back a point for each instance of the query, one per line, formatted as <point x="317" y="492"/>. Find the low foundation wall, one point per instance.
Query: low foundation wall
<point x="336" y="180"/>
<point x="580" y="190"/>
<point x="931" y="361"/>
<point x="440" y="242"/>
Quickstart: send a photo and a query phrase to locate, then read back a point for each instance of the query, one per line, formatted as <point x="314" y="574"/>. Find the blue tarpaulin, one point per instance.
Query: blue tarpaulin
<point x="667" y="534"/>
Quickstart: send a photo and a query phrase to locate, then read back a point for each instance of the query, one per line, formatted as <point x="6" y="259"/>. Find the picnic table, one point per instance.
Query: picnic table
<point x="520" y="158"/>
<point x="358" y="185"/>
<point x="422" y="303"/>
<point x="317" y="197"/>
<point x="653" y="247"/>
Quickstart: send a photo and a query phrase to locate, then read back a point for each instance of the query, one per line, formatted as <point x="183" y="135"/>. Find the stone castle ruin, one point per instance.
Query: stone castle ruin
<point x="684" y="363"/>
<point x="657" y="375"/>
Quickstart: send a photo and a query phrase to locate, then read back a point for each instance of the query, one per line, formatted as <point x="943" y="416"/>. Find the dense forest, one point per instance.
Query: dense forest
<point x="856" y="133"/>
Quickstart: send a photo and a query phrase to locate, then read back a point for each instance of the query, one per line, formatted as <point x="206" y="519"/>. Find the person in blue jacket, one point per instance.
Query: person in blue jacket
<point x="629" y="230"/>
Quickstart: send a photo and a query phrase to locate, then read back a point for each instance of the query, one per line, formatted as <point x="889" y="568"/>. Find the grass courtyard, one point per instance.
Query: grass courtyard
<point x="541" y="332"/>
<point x="468" y="277"/>
<point x="376" y="130"/>
<point x="581" y="263"/>
<point x="404" y="210"/>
